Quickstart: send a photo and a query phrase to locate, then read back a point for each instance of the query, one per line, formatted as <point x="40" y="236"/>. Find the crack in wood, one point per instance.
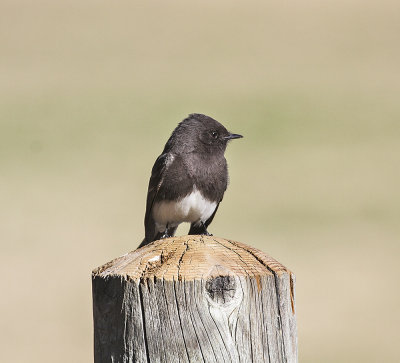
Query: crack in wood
<point x="194" y="299"/>
<point x="144" y="322"/>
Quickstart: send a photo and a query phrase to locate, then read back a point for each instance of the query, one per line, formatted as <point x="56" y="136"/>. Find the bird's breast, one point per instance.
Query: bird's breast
<point x="194" y="207"/>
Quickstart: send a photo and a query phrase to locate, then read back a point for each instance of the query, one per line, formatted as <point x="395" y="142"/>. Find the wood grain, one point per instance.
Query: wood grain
<point x="194" y="299"/>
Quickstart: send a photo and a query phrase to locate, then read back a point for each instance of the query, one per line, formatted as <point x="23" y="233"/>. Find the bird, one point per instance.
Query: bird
<point x="189" y="178"/>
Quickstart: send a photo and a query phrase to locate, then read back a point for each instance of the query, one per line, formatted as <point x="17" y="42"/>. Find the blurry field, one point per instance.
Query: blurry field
<point x="89" y="93"/>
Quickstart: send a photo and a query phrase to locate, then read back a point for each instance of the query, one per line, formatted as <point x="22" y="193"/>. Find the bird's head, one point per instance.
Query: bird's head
<point x="203" y="134"/>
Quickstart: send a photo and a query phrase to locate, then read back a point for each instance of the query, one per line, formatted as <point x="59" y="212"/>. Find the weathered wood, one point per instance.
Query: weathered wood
<point x="194" y="299"/>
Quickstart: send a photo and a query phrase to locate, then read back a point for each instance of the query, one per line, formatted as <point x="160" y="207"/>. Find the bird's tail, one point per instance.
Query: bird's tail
<point x="144" y="243"/>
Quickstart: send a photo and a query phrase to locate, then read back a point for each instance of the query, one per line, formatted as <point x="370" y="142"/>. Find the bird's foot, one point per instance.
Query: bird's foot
<point x="165" y="235"/>
<point x="204" y="231"/>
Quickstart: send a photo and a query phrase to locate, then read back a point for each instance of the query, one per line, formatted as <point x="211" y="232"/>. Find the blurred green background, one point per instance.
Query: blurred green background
<point x="91" y="90"/>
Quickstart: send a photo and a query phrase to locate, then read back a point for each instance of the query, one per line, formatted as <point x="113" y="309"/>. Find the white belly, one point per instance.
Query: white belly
<point x="193" y="208"/>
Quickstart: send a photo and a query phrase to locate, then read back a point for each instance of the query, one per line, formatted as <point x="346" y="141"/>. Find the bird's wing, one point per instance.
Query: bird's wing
<point x="156" y="180"/>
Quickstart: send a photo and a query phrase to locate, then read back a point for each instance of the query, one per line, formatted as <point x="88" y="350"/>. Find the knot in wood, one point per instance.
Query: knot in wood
<point x="194" y="299"/>
<point x="221" y="289"/>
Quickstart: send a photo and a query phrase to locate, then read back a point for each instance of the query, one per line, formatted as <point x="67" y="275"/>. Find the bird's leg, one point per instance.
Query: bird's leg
<point x="166" y="233"/>
<point x="204" y="232"/>
<point x="199" y="228"/>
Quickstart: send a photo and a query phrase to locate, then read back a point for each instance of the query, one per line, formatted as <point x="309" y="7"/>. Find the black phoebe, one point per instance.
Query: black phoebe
<point x="188" y="179"/>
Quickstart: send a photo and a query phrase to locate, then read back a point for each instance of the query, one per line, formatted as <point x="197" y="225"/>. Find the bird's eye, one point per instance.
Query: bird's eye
<point x="214" y="134"/>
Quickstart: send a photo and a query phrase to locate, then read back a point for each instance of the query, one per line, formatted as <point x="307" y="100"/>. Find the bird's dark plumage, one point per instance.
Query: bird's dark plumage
<point x="188" y="179"/>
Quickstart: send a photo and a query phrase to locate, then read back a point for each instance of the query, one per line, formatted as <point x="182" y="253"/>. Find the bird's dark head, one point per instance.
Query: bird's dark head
<point x="201" y="133"/>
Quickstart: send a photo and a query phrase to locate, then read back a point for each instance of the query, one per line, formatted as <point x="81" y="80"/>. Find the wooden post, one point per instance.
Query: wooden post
<point x="194" y="299"/>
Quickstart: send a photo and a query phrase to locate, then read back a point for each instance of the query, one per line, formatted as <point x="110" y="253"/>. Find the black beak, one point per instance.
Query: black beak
<point x="233" y="136"/>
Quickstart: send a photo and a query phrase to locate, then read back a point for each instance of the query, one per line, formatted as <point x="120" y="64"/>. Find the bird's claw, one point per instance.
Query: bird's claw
<point x="165" y="235"/>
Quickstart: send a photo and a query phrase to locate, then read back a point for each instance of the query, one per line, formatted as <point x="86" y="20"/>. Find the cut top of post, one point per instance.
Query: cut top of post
<point x="190" y="258"/>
